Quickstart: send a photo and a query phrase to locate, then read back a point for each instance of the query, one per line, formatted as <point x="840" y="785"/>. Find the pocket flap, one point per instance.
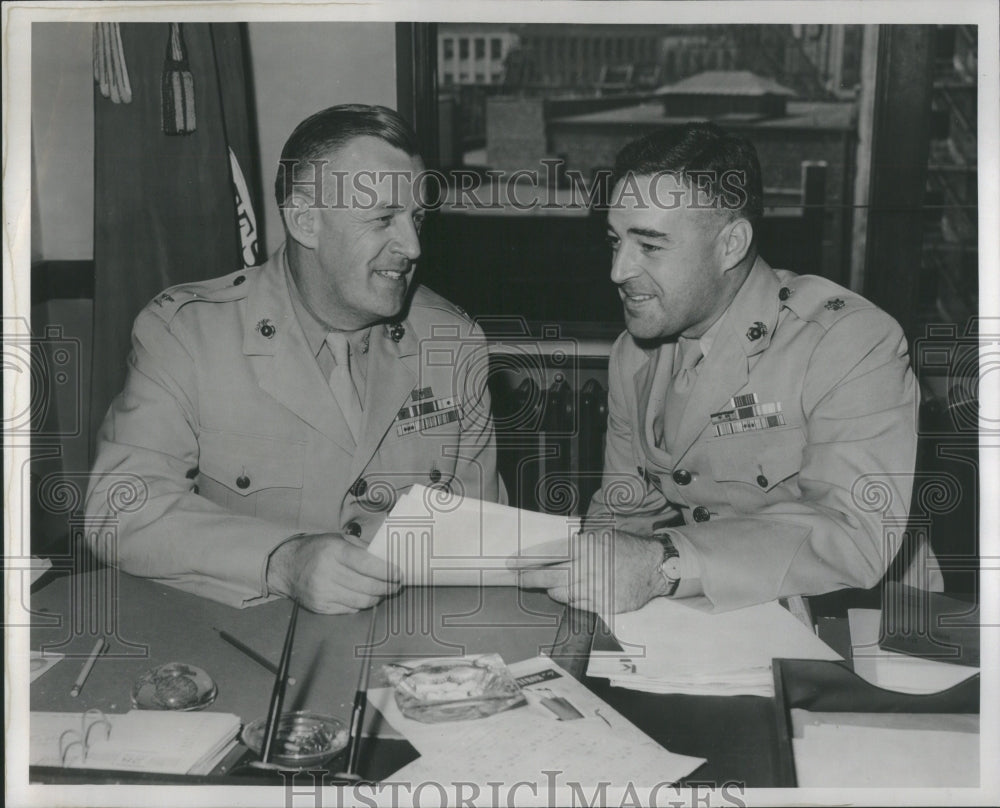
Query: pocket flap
<point x="249" y="463"/>
<point x="770" y="456"/>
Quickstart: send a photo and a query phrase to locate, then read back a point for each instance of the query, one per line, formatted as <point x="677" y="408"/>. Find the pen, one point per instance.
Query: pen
<point x="360" y="703"/>
<point x="278" y="694"/>
<point x="87" y="667"/>
<point x="261" y="660"/>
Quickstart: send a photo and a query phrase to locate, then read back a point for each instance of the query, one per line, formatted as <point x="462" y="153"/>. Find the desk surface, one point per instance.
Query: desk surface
<point x="149" y="624"/>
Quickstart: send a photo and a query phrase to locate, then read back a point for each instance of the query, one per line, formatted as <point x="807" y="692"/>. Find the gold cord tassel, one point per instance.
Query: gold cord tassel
<point x="177" y="87"/>
<point x="110" y="71"/>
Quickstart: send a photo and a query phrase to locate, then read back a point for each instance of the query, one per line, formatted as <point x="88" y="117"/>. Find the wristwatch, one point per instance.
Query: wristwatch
<point x="670" y="567"/>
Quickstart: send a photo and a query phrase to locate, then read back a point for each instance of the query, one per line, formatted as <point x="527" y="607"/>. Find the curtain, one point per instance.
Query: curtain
<point x="176" y="180"/>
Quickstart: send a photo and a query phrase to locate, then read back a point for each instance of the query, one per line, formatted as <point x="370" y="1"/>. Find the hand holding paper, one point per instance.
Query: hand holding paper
<point x="605" y="572"/>
<point x="439" y="538"/>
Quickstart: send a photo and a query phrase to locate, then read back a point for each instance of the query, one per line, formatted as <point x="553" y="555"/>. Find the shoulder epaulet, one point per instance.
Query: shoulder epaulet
<point x="820" y="300"/>
<point x="215" y="290"/>
<point x="425" y="298"/>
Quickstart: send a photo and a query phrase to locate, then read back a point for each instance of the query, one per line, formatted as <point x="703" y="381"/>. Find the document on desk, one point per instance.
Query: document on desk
<point x="575" y="734"/>
<point x="140" y="740"/>
<point x="441" y="540"/>
<point x="670" y="647"/>
<point x="886" y="750"/>
<point x="900" y="672"/>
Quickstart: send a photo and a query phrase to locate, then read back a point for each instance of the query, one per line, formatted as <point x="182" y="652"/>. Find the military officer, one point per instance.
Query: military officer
<point x="761" y="432"/>
<point x="270" y="417"/>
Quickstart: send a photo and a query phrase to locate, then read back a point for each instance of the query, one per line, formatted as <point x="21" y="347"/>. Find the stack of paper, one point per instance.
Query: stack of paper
<point x="582" y="741"/>
<point x="901" y="672"/>
<point x="436" y="539"/>
<point x="670" y="647"/>
<point x="140" y="740"/>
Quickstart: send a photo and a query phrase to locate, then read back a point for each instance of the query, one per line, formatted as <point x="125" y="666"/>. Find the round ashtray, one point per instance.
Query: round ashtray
<point x="302" y="739"/>
<point x="174" y="686"/>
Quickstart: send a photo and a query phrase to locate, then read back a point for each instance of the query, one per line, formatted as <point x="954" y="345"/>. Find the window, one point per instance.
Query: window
<point x="503" y="122"/>
<point x="449" y="48"/>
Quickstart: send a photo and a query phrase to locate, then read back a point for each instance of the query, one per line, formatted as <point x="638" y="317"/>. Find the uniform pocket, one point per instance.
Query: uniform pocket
<point x="760" y="459"/>
<point x="249" y="464"/>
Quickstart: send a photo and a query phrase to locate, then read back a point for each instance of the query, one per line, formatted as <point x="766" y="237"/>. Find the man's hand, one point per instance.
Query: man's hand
<point x="328" y="574"/>
<point x="600" y="573"/>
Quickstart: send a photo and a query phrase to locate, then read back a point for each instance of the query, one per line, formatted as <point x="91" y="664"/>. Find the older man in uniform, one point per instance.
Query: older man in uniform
<point x="761" y="436"/>
<point x="271" y="416"/>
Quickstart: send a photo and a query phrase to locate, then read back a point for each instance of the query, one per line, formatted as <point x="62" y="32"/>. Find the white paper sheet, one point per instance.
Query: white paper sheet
<point x="830" y="755"/>
<point x="440" y="540"/>
<point x="901" y="672"/>
<point x="517" y="745"/>
<point x="669" y="647"/>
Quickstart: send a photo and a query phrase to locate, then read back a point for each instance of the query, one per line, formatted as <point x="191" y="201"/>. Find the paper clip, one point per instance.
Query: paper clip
<point x="71" y="739"/>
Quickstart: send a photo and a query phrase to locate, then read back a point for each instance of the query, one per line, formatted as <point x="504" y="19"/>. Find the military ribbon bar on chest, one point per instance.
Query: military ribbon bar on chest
<point x="746" y="414"/>
<point x="426" y="412"/>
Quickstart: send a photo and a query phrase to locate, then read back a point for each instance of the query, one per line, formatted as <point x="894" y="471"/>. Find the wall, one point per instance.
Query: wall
<point x="298" y="68"/>
<point x="62" y="138"/>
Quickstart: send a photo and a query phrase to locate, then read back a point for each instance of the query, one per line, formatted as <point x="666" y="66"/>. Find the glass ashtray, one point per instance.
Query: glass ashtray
<point x="302" y="739"/>
<point x="174" y="686"/>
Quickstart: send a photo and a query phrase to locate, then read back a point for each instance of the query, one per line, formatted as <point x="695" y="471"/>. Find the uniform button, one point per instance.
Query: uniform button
<point x="239" y="279"/>
<point x="762" y="481"/>
<point x="701" y="514"/>
<point x="242" y="481"/>
<point x="359" y="487"/>
<point x="784" y="293"/>
<point x="682" y="476"/>
<point x="435" y="475"/>
<point x="352" y="529"/>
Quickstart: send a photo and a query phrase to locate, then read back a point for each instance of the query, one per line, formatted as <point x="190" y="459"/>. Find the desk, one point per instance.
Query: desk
<point x="149" y="624"/>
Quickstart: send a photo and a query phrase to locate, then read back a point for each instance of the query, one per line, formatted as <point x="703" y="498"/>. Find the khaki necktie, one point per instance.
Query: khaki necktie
<point x="685" y="375"/>
<point x="342" y="383"/>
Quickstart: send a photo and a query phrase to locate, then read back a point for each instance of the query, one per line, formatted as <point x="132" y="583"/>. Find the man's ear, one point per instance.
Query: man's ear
<point x="301" y="221"/>
<point x="738" y="239"/>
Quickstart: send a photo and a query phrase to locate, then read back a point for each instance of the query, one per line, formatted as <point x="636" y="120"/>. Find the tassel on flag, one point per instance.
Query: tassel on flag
<point x="110" y="71"/>
<point x="177" y="87"/>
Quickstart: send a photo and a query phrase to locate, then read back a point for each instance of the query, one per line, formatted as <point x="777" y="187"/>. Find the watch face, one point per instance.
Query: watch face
<point x="672" y="568"/>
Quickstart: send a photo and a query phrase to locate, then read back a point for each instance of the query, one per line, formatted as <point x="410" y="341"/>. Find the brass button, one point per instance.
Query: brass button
<point x="239" y="279"/>
<point x="701" y="514"/>
<point x="784" y="293"/>
<point x="762" y="481"/>
<point x="359" y="487"/>
<point x="352" y="529"/>
<point x="242" y="481"/>
<point x="435" y="475"/>
<point x="682" y="476"/>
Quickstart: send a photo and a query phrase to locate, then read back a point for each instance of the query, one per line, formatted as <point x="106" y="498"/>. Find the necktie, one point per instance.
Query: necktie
<point x="687" y="357"/>
<point x="341" y="382"/>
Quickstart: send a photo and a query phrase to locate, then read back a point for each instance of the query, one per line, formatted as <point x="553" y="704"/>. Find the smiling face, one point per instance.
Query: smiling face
<point x="355" y="255"/>
<point x="671" y="260"/>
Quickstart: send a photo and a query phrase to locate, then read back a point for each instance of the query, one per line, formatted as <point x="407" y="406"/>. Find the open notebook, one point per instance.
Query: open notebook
<point x="140" y="740"/>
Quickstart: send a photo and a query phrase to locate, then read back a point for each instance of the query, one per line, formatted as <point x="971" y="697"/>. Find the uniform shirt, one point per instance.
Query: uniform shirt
<point x="227" y="439"/>
<point x="793" y="466"/>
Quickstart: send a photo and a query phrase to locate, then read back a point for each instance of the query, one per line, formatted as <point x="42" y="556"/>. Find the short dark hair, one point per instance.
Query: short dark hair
<point x="727" y="162"/>
<point x="331" y="128"/>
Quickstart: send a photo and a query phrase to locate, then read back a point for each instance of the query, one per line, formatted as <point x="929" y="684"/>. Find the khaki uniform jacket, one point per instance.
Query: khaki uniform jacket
<point x="793" y="464"/>
<point x="227" y="439"/>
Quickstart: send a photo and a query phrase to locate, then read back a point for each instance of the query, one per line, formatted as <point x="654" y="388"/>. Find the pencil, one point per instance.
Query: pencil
<point x="87" y="667"/>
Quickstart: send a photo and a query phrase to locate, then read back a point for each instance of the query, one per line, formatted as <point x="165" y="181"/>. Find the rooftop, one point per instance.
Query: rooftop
<point x="799" y="114"/>
<point x="726" y="82"/>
